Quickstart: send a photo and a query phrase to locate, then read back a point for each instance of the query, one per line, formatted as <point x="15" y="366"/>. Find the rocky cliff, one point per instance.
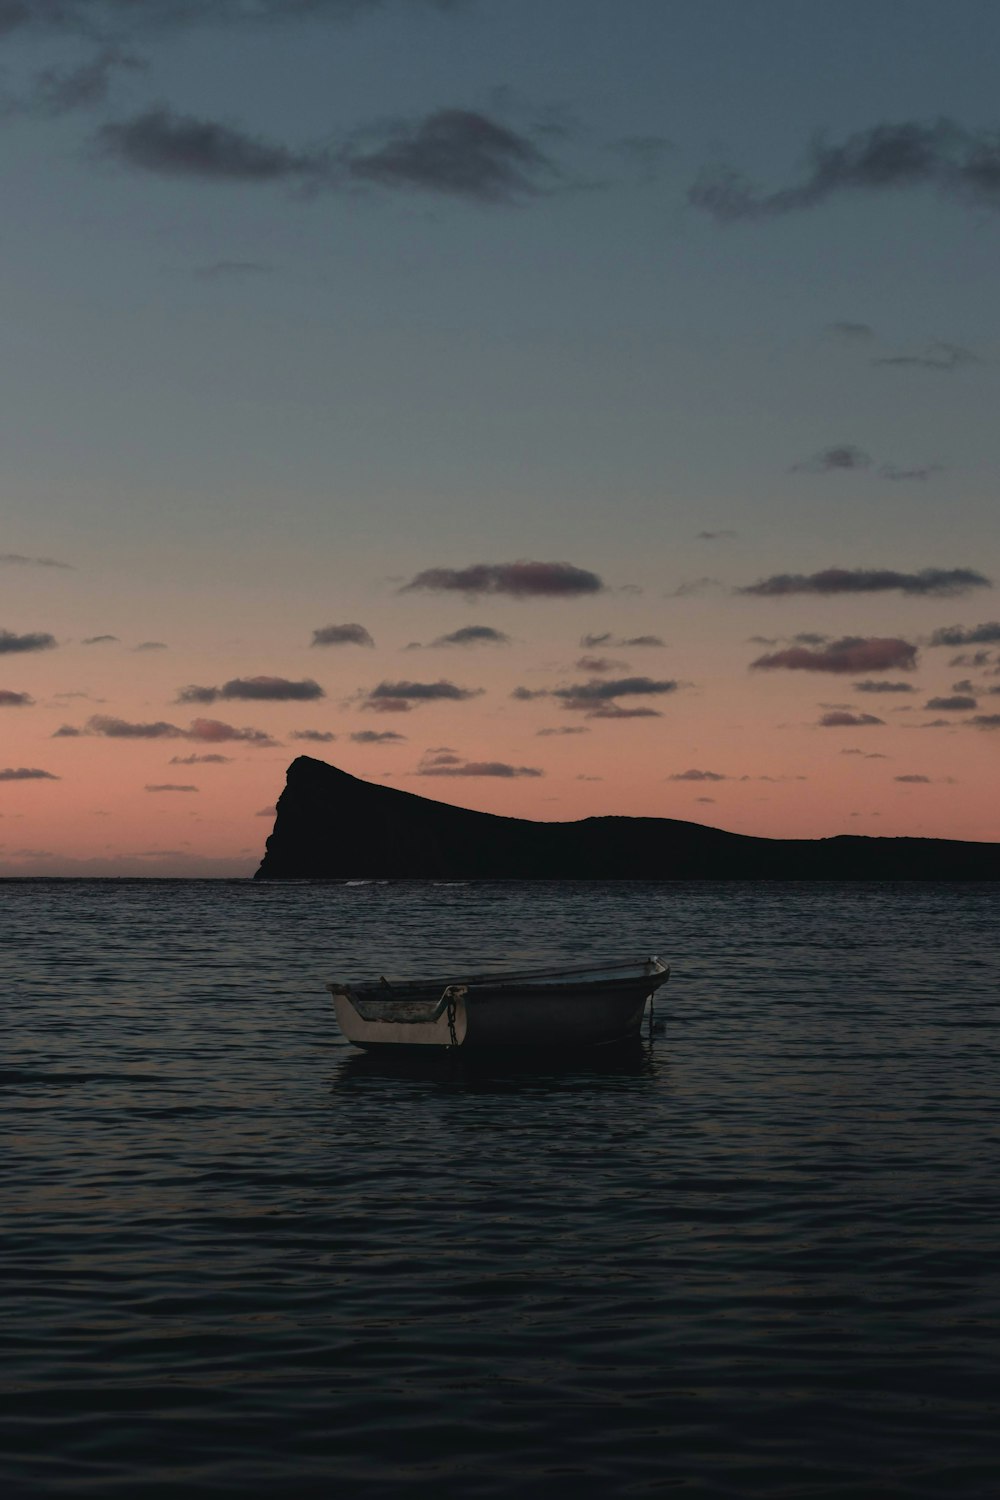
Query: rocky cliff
<point x="331" y="826"/>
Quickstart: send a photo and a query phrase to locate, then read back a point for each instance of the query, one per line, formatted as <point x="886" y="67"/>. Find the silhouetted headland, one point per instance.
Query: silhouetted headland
<point x="332" y="826"/>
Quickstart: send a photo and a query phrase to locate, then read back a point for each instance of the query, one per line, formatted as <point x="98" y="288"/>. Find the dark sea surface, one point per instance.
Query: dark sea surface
<point x="755" y="1256"/>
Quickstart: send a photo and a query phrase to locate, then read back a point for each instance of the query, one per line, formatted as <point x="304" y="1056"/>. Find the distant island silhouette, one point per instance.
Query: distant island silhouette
<point x="333" y="826"/>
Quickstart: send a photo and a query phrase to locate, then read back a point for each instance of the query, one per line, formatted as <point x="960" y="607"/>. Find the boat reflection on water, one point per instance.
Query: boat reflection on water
<point x="459" y="1069"/>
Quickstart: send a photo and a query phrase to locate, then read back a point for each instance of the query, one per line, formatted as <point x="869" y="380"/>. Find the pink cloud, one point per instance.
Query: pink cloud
<point x="850" y="654"/>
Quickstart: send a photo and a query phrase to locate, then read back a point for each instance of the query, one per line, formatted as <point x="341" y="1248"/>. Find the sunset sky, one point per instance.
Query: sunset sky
<point x="554" y="407"/>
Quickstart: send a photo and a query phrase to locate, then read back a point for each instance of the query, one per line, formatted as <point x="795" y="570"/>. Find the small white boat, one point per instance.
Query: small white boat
<point x="578" y="1007"/>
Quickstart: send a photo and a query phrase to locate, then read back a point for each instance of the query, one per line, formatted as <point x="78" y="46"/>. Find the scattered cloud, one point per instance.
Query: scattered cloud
<point x="840" y="718"/>
<point x="377" y="737"/>
<point x="255" y="689"/>
<point x="400" y="697"/>
<point x="10" y="699"/>
<point x="693" y="587"/>
<point x="201" y="760"/>
<point x="214" y="731"/>
<point x="849" y="655"/>
<point x="162" y="141"/>
<point x="168" y="786"/>
<point x="615" y="711"/>
<point x="388" y="706"/>
<point x="62" y="91"/>
<point x="342" y="635"/>
<point x="941" y="582"/>
<point x="985" y="721"/>
<point x="598" y="696"/>
<point x="716" y="536"/>
<point x="886" y="157"/>
<point x="841" y="457"/>
<point x="122" y="729"/>
<point x="913" y="780"/>
<point x="480" y="768"/>
<point x="867" y="685"/>
<point x="600" y="664"/>
<point x="619" y="643"/>
<point x="34" y="641"/>
<point x="937" y="356"/>
<point x="150" y="646"/>
<point x="98" y="640"/>
<point x="19" y="560"/>
<point x="894" y="472"/>
<point x="868" y="754"/>
<point x="209" y="730"/>
<point x="568" y="729"/>
<point x="520" y="580"/>
<point x="693" y="775"/>
<point x="986" y="634"/>
<point x="457" y="152"/>
<point x="955" y="703"/>
<point x="854" y="331"/>
<point x="26" y="773"/>
<point x="968" y="658"/>
<point x="473" y="635"/>
<point x="316" y="736"/>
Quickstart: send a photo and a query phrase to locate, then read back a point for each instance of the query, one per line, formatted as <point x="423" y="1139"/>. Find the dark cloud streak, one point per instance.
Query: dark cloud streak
<point x="520" y="580"/>
<point x="11" y="644"/>
<point x="342" y="635"/>
<point x="840" y="718"/>
<point x="942" y="582"/>
<point x="937" y="356"/>
<point x="176" y="145"/>
<point x="456" y="152"/>
<point x="841" y="457"/>
<point x="887" y="157"/>
<point x="18" y="559"/>
<point x="481" y="768"/>
<point x="255" y="689"/>
<point x="986" y="634"/>
<point x="473" y="635"/>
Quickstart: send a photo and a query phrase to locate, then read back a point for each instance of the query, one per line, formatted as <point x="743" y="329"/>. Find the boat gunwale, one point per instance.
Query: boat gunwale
<point x="429" y="997"/>
<point x="503" y="977"/>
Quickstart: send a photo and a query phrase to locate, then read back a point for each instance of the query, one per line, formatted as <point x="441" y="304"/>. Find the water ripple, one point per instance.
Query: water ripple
<point x="752" y="1257"/>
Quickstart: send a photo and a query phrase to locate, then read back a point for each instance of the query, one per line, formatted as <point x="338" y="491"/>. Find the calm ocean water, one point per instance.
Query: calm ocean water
<point x="757" y="1256"/>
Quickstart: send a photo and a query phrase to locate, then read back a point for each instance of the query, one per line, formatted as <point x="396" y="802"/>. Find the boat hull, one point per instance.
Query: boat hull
<point x="544" y="1015"/>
